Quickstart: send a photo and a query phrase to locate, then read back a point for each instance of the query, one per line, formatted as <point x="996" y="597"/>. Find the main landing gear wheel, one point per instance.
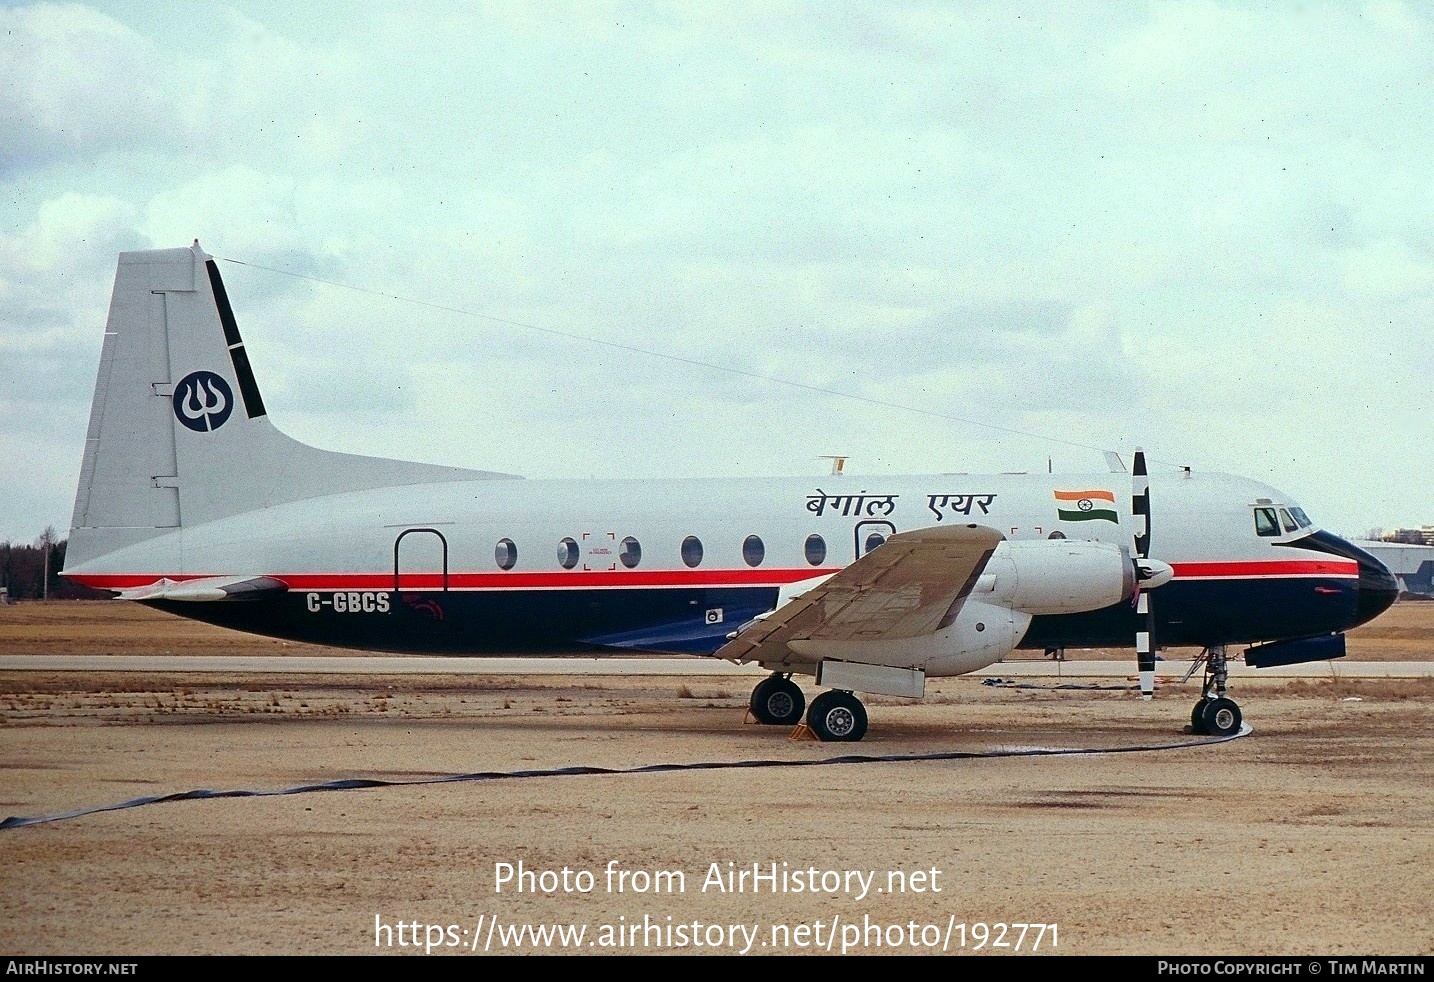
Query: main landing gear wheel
<point x="776" y="701"/>
<point x="1222" y="717"/>
<point x="837" y="717"/>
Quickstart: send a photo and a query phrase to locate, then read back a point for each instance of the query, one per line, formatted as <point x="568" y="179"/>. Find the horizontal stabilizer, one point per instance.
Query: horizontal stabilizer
<point x="207" y="589"/>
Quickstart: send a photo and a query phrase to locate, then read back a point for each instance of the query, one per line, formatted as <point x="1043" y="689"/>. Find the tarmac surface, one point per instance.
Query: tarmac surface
<point x="1065" y="802"/>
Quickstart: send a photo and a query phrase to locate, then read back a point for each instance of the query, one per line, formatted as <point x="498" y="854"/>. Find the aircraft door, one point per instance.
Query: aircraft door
<point x="869" y="535"/>
<point x="420" y="560"/>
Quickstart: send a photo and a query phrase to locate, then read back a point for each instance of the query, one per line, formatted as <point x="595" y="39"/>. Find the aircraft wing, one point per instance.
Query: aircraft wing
<point x="912" y="585"/>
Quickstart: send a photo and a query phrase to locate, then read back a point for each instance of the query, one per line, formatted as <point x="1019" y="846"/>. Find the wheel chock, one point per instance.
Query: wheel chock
<point x="802" y="732"/>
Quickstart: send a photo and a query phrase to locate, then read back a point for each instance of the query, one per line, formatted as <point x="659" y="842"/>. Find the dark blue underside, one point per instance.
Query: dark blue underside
<point x="697" y="621"/>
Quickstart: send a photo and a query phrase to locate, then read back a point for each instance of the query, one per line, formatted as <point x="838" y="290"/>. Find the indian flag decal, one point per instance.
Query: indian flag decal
<point x="1085" y="506"/>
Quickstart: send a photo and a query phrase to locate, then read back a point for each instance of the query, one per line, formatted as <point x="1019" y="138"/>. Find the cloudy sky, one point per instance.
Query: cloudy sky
<point x="601" y="239"/>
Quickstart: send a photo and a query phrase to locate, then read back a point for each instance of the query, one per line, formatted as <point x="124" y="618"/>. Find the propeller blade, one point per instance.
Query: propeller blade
<point x="1145" y="635"/>
<point x="1140" y="504"/>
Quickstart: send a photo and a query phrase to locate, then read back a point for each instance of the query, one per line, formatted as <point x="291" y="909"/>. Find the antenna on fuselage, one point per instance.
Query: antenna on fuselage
<point x="838" y="463"/>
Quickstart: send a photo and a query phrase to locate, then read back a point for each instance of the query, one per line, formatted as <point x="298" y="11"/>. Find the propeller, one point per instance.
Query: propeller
<point x="1144" y="573"/>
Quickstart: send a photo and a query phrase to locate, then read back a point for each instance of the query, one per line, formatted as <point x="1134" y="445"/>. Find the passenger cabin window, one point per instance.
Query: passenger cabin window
<point x="692" y="551"/>
<point x="567" y="553"/>
<point x="753" y="551"/>
<point x="1289" y="522"/>
<point x="506" y="553"/>
<point x="1265" y="524"/>
<point x="630" y="552"/>
<point x="816" y="549"/>
<point x="873" y="540"/>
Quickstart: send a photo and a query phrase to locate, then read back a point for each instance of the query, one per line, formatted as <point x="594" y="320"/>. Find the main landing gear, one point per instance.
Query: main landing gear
<point x="1215" y="714"/>
<point x="835" y="716"/>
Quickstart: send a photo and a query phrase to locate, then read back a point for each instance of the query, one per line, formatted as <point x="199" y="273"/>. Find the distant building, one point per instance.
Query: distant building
<point x="1411" y="563"/>
<point x="1422" y="536"/>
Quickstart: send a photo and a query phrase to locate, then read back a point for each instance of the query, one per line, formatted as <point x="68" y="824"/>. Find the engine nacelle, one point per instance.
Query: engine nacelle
<point x="1021" y="580"/>
<point x="1056" y="576"/>
<point x="982" y="633"/>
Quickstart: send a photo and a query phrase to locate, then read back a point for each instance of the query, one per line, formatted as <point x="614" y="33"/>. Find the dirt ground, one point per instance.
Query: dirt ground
<point x="1313" y="835"/>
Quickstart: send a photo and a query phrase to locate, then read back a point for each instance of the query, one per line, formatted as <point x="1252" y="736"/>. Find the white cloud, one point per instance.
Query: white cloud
<point x="79" y="82"/>
<point x="1092" y="222"/>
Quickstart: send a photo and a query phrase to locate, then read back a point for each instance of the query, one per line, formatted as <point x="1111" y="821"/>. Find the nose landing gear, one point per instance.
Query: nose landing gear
<point x="1215" y="714"/>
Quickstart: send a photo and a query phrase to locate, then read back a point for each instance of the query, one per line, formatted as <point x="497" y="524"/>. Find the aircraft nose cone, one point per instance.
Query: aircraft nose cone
<point x="1377" y="586"/>
<point x="1378" y="589"/>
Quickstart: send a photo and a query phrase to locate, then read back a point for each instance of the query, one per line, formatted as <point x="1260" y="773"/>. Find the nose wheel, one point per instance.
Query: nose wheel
<point x="1221" y="717"/>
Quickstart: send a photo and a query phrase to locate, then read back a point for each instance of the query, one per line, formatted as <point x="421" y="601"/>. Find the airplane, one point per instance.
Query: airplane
<point x="191" y="501"/>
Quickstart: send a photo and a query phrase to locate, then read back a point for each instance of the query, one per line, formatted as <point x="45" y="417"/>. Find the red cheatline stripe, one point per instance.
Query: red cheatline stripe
<point x="593" y="579"/>
<point x="577" y="579"/>
<point x="1078" y="495"/>
<point x="1263" y="568"/>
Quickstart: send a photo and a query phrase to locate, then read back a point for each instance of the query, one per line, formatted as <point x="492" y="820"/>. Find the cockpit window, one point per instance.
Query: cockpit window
<point x="1301" y="517"/>
<point x="1289" y="522"/>
<point x="1265" y="523"/>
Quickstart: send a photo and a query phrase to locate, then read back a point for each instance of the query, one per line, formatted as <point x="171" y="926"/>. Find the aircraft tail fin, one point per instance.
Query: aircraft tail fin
<point x="178" y="432"/>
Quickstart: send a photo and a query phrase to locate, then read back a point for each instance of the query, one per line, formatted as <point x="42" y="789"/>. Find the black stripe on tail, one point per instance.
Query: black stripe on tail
<point x="248" y="388"/>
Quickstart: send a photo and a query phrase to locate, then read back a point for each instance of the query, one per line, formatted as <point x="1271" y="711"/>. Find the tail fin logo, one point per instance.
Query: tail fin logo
<point x="203" y="401"/>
